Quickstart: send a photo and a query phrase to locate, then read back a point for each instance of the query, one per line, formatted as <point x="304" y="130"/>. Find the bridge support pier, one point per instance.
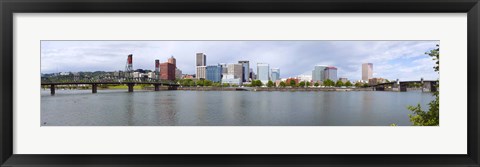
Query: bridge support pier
<point x="157" y="87"/>
<point x="94" y="88"/>
<point x="52" y="89"/>
<point x="130" y="87"/>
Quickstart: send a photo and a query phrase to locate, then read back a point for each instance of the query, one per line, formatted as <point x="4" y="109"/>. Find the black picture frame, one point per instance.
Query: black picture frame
<point x="9" y="7"/>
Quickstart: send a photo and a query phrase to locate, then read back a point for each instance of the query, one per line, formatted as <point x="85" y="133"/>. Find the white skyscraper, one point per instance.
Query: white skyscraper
<point x="263" y="72"/>
<point x="367" y="71"/>
<point x="318" y="73"/>
<point x="275" y="74"/>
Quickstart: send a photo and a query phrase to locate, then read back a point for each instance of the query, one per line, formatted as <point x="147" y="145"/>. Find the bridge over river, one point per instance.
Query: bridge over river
<point x="401" y="86"/>
<point x="171" y="85"/>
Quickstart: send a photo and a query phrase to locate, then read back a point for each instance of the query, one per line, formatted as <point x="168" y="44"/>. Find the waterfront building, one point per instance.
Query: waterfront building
<point x="152" y="75"/>
<point x="344" y="80"/>
<point x="275" y="74"/>
<point x="304" y="77"/>
<point x="375" y="81"/>
<point x="318" y="73"/>
<point x="188" y="76"/>
<point x="201" y="59"/>
<point x="214" y="73"/>
<point x="246" y="70"/>
<point x="167" y="71"/>
<point x="331" y="73"/>
<point x="263" y="72"/>
<point x="251" y="74"/>
<point x="230" y="79"/>
<point x="201" y="72"/>
<point x="178" y="73"/>
<point x="136" y="74"/>
<point x="224" y="68"/>
<point x="367" y="71"/>
<point x="290" y="80"/>
<point x="157" y="69"/>
<point x="236" y="70"/>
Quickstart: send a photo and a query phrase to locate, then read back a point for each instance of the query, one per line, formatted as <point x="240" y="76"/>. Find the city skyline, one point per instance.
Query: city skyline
<point x="404" y="60"/>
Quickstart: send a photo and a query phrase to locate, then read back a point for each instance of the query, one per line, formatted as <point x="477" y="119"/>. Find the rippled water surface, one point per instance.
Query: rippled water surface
<point x="227" y="108"/>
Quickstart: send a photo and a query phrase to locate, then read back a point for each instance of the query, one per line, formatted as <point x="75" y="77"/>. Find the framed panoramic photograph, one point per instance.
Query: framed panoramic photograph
<point x="239" y="83"/>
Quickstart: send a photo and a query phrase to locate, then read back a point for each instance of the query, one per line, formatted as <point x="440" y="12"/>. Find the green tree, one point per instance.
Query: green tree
<point x="430" y="117"/>
<point x="339" y="83"/>
<point x="207" y="83"/>
<point x="328" y="82"/>
<point x="259" y="83"/>
<point x="365" y="85"/>
<point x="200" y="82"/>
<point x="358" y="84"/>
<point x="293" y="83"/>
<point x="348" y="84"/>
<point x="269" y="84"/>
<point x="283" y="84"/>
<point x="316" y="84"/>
<point x="301" y="84"/>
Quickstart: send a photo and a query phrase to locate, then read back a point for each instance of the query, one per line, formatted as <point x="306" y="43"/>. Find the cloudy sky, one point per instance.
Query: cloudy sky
<point x="405" y="60"/>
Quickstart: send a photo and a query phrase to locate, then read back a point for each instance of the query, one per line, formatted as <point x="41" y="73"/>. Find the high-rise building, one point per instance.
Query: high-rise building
<point x="201" y="62"/>
<point x="167" y="71"/>
<point x="318" y="73"/>
<point x="224" y="68"/>
<point x="157" y="69"/>
<point x="236" y="70"/>
<point x="173" y="61"/>
<point x="201" y="72"/>
<point x="367" y="71"/>
<point x="246" y="70"/>
<point x="263" y="72"/>
<point x="275" y="74"/>
<point x="331" y="73"/>
<point x="201" y="59"/>
<point x="214" y="73"/>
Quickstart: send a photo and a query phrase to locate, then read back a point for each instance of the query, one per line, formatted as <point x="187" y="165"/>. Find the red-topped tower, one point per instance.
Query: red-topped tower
<point x="129" y="66"/>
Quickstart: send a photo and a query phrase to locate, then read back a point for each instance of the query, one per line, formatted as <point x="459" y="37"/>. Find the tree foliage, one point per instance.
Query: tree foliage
<point x="270" y="84"/>
<point x="358" y="84"/>
<point x="283" y="84"/>
<point x="432" y="116"/>
<point x="301" y="84"/>
<point x="328" y="82"/>
<point x="348" y="84"/>
<point x="339" y="83"/>
<point x="257" y="83"/>
<point x="293" y="83"/>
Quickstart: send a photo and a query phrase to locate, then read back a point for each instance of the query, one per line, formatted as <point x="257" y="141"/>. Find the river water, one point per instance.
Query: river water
<point x="227" y="108"/>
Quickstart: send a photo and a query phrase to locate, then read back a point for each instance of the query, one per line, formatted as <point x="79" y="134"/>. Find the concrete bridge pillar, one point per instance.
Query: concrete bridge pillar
<point x="157" y="87"/>
<point x="52" y="89"/>
<point x="130" y="87"/>
<point x="94" y="88"/>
